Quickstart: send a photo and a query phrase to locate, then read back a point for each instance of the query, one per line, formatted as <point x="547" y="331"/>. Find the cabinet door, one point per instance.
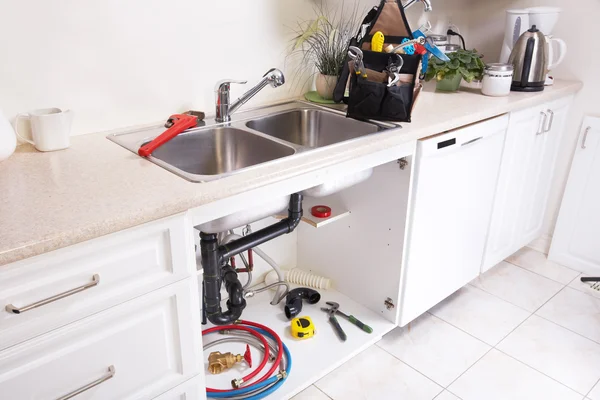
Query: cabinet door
<point x="528" y="162"/>
<point x="454" y="184"/>
<point x="540" y="171"/>
<point x="576" y="238"/>
<point x="504" y="227"/>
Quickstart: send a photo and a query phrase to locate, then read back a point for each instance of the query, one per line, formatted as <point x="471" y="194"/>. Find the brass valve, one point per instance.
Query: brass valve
<point x="219" y="362"/>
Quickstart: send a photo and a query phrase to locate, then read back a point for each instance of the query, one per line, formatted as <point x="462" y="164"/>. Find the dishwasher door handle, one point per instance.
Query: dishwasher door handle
<point x="472" y="141"/>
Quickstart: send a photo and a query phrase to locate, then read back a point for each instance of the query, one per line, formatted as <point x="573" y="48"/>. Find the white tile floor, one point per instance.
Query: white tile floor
<point x="527" y="329"/>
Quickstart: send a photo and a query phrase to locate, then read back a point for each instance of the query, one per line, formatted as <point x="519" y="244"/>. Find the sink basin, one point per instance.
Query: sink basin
<point x="312" y="127"/>
<point x="251" y="139"/>
<point x="219" y="150"/>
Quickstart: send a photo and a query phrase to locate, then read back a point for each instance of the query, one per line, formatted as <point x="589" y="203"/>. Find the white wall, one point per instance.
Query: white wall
<point x="120" y="63"/>
<point x="577" y="23"/>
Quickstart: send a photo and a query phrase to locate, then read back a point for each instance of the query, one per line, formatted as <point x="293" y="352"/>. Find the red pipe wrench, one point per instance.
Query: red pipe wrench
<point x="176" y="124"/>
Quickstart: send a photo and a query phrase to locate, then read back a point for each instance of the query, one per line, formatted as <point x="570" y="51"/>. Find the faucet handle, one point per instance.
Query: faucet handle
<point x="223" y="85"/>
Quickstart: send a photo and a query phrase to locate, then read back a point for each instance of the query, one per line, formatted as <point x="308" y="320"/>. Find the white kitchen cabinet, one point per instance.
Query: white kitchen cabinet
<point x="453" y="191"/>
<point x="45" y="292"/>
<point x="576" y="242"/>
<point x="531" y="147"/>
<point x="137" y="350"/>
<point x="541" y="170"/>
<point x="192" y="389"/>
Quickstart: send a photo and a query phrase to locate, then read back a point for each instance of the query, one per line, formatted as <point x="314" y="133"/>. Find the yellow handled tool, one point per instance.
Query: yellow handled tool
<point x="377" y="42"/>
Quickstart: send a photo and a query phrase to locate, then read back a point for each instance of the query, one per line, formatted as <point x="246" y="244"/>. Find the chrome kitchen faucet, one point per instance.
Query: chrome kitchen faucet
<point x="224" y="108"/>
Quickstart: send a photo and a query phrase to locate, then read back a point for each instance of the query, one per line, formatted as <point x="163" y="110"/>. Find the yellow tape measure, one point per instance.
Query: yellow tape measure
<point x="302" y="328"/>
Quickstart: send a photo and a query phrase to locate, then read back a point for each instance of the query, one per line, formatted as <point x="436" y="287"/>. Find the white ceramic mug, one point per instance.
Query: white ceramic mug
<point x="50" y="128"/>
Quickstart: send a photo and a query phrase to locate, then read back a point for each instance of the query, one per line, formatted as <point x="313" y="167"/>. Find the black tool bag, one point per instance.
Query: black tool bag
<point x="370" y="97"/>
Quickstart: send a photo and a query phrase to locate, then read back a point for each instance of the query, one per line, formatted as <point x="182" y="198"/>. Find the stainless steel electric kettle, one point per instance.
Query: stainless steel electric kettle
<point x="529" y="56"/>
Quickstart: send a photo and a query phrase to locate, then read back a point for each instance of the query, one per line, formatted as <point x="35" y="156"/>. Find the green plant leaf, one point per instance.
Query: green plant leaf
<point x="308" y="32"/>
<point x="465" y="58"/>
<point x="466" y="74"/>
<point x="454" y="64"/>
<point x="332" y="36"/>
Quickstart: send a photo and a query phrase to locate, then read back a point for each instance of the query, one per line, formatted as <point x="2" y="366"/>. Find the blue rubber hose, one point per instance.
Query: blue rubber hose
<point x="288" y="368"/>
<point x="257" y="386"/>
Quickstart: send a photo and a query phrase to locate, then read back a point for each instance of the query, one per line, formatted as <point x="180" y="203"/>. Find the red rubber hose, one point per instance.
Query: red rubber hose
<point x="279" y="348"/>
<point x="265" y="355"/>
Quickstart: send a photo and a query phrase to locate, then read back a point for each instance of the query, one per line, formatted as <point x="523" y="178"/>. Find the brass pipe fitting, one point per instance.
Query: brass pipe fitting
<point x="218" y="362"/>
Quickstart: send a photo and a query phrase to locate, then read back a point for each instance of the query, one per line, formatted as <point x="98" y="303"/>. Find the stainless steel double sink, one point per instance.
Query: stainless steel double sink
<point x="252" y="138"/>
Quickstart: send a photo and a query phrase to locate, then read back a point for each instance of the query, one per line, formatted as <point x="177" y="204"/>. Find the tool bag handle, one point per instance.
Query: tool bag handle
<point x="389" y="18"/>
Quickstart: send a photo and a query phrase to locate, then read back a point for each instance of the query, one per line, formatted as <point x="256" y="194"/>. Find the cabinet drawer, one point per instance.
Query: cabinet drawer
<point x="151" y="343"/>
<point x="57" y="288"/>
<point x="192" y="389"/>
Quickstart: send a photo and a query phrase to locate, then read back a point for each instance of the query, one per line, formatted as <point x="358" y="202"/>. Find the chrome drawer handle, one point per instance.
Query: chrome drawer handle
<point x="109" y="375"/>
<point x="551" y="122"/>
<point x="542" y="123"/>
<point x="15" y="310"/>
<point x="585" y="134"/>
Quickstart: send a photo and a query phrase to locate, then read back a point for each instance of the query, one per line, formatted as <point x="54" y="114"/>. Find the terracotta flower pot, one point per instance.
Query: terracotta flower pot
<point x="325" y="85"/>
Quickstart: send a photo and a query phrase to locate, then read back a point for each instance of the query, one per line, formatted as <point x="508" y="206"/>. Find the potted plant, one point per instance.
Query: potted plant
<point x="463" y="64"/>
<point x="323" y="43"/>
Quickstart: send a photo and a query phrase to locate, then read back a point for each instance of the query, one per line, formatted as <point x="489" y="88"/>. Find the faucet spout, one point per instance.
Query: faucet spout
<point x="224" y="108"/>
<point x="426" y="4"/>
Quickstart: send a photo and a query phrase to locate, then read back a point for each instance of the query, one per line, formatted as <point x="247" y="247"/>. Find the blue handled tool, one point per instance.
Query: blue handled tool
<point x="432" y="48"/>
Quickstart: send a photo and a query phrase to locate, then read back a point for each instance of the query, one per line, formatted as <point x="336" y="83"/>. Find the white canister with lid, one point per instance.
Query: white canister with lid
<point x="497" y="79"/>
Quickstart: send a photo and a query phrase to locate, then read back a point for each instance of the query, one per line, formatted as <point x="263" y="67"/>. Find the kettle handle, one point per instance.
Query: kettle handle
<point x="562" y="52"/>
<point x="528" y="59"/>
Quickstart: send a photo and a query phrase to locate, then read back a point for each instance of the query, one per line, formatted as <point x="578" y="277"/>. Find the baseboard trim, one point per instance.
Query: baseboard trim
<point x="541" y="244"/>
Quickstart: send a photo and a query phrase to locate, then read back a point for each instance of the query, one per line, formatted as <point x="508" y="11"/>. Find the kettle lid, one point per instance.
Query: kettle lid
<point x="533" y="29"/>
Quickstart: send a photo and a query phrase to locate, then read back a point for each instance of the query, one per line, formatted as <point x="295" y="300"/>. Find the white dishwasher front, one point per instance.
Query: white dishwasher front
<point x="454" y="185"/>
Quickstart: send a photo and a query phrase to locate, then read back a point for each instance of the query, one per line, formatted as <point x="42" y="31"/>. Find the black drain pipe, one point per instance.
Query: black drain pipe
<point x="217" y="270"/>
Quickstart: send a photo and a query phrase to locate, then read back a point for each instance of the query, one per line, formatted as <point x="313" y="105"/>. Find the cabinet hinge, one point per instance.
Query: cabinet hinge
<point x="389" y="303"/>
<point x="403" y="163"/>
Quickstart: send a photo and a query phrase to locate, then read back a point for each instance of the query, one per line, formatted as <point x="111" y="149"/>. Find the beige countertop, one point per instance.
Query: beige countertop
<point x="53" y="200"/>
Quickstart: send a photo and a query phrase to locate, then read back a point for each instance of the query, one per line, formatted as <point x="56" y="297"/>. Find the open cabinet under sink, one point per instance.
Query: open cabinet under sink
<point x="361" y="252"/>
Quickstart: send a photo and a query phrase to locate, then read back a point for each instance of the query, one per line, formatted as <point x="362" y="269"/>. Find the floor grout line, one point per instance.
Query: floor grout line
<point x="319" y="389"/>
<point x="543" y="373"/>
<point x="524" y="363"/>
<point x="590" y="391"/>
<point x="411" y="367"/>
<point x="508" y="334"/>
<point x="566" y="328"/>
<point x="471" y="366"/>
<point x="582" y="291"/>
<point x="572" y="280"/>
<point x="460" y="329"/>
<point x="511" y="303"/>
<point x="543" y="276"/>
<point x="446" y="390"/>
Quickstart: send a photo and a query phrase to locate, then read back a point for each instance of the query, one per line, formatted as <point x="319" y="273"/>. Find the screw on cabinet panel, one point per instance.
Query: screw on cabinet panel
<point x="389" y="303"/>
<point x="403" y="163"/>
